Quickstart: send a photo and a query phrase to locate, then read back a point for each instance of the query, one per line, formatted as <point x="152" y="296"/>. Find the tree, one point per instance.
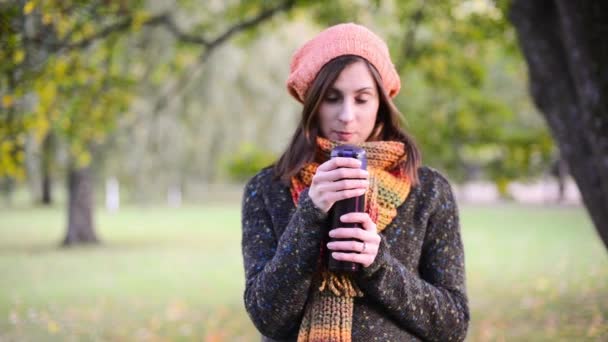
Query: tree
<point x="564" y="43"/>
<point x="68" y="75"/>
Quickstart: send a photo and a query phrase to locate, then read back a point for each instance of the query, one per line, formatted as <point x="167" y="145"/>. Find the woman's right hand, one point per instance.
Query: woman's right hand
<point x="337" y="179"/>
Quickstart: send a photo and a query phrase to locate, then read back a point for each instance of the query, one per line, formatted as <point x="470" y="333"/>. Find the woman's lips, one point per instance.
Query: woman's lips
<point x="343" y="136"/>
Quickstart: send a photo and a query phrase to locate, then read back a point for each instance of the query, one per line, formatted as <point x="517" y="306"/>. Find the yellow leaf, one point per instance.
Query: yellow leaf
<point x="41" y="128"/>
<point x="62" y="26"/>
<point x="139" y="19"/>
<point x="81" y="76"/>
<point x="18" y="56"/>
<point x="60" y="68"/>
<point x="29" y="7"/>
<point x="46" y="18"/>
<point x="52" y="327"/>
<point x="6" y="147"/>
<point x="96" y="113"/>
<point x="20" y="156"/>
<point x="84" y="158"/>
<point x="7" y="101"/>
<point x="88" y="29"/>
<point x="48" y="93"/>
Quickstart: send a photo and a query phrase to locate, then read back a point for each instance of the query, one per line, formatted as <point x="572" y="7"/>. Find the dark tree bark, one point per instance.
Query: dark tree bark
<point x="80" y="208"/>
<point x="48" y="147"/>
<point x="566" y="47"/>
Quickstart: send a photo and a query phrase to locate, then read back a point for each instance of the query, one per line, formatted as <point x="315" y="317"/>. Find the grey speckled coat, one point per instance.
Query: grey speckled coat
<point x="414" y="290"/>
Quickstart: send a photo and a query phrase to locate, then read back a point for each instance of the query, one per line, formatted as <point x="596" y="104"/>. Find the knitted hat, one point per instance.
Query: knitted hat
<point x="335" y="41"/>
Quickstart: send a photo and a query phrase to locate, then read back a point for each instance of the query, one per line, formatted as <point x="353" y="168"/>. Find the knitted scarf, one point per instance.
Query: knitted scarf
<point x="328" y="312"/>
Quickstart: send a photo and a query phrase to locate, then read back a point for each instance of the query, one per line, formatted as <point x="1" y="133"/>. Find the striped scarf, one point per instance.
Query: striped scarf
<point x="328" y="313"/>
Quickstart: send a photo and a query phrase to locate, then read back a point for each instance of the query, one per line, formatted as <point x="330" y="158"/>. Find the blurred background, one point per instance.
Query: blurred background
<point x="128" y="129"/>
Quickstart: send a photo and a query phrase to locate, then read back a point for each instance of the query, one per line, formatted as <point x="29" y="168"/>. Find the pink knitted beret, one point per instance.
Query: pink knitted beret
<point x="335" y="41"/>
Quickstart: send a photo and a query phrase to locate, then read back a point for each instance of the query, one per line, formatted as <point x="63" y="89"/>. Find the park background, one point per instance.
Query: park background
<point x="128" y="128"/>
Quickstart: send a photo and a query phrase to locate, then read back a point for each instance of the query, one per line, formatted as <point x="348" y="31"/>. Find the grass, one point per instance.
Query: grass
<point x="162" y="274"/>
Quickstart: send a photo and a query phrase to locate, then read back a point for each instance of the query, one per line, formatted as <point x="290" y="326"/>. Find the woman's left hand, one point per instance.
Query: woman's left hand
<point x="366" y="248"/>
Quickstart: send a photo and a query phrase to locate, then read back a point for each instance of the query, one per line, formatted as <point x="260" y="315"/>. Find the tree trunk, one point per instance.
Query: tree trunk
<point x="47" y="159"/>
<point x="561" y="174"/>
<point x="564" y="43"/>
<point x="80" y="207"/>
<point x="7" y="186"/>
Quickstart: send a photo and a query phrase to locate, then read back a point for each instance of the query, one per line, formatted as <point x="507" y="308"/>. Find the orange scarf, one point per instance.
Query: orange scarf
<point x="328" y="314"/>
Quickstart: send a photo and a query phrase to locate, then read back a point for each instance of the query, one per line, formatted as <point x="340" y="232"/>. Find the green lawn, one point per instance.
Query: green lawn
<point x="161" y="274"/>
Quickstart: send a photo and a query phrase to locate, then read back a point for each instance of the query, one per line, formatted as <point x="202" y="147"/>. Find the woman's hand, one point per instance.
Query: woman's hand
<point x="337" y="179"/>
<point x="366" y="248"/>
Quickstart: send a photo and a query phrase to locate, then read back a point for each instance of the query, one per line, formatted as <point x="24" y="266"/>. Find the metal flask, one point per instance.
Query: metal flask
<point x="349" y="205"/>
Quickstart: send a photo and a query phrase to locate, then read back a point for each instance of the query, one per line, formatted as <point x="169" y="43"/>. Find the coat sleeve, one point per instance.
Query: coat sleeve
<point x="279" y="271"/>
<point x="434" y="304"/>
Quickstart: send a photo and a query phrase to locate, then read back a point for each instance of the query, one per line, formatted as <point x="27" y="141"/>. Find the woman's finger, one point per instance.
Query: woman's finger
<point x="346" y="173"/>
<point x="344" y="184"/>
<point x="333" y="197"/>
<point x="338" y="174"/>
<point x="337" y="162"/>
<point x="362" y="218"/>
<point x="351" y="233"/>
<point x="353" y="246"/>
<point x="364" y="259"/>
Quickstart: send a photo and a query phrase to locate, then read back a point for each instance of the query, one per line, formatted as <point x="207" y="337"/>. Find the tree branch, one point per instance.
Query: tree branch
<point x="261" y="17"/>
<point x="166" y="20"/>
<point x="183" y="36"/>
<point x="188" y="74"/>
<point x="122" y="25"/>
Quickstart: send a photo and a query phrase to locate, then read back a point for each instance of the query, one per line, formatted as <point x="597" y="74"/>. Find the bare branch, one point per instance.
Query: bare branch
<point x="182" y="36"/>
<point x="188" y="74"/>
<point x="262" y="16"/>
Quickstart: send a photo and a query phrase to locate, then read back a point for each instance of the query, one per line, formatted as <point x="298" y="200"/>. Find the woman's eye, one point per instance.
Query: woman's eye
<point x="361" y="101"/>
<point x="331" y="99"/>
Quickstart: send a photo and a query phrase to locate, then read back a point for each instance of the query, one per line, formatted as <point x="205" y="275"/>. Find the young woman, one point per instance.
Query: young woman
<point x="411" y="285"/>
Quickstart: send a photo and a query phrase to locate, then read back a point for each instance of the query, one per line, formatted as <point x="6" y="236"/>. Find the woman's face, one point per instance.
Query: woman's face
<point x="348" y="111"/>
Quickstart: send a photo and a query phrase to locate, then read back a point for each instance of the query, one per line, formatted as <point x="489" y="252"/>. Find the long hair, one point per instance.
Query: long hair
<point x="301" y="149"/>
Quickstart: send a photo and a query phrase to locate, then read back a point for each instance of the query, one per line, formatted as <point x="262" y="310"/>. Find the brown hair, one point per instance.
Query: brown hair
<point x="301" y="149"/>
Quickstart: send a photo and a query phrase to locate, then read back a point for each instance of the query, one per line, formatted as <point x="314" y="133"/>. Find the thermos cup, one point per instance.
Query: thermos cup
<point x="349" y="205"/>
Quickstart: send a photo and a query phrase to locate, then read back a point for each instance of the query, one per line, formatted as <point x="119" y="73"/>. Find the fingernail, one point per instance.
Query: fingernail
<point x="331" y="233"/>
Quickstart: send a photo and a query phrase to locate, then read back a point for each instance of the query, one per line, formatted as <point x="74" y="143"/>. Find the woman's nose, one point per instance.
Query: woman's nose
<point x="347" y="113"/>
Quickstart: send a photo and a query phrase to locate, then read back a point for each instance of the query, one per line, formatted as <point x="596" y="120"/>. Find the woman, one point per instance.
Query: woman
<point x="411" y="284"/>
